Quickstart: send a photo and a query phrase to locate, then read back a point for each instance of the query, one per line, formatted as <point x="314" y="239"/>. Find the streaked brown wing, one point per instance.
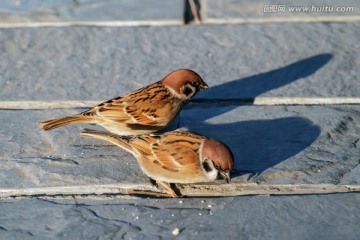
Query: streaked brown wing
<point x="146" y="106"/>
<point x="152" y="107"/>
<point x="175" y="150"/>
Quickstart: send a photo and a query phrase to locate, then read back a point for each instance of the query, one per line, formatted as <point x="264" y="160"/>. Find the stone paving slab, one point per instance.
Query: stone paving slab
<point x="333" y="216"/>
<point x="32" y="157"/>
<point x="296" y="144"/>
<point x="271" y="145"/>
<point x="237" y="61"/>
<point x="13" y="11"/>
<point x="247" y="9"/>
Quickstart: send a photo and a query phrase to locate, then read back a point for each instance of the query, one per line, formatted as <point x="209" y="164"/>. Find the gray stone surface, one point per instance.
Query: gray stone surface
<point x="285" y="144"/>
<point x="294" y="144"/>
<point x="271" y="145"/>
<point x="236" y="61"/>
<point x="32" y="157"/>
<point x="16" y="11"/>
<point x="254" y="217"/>
<point x="228" y="9"/>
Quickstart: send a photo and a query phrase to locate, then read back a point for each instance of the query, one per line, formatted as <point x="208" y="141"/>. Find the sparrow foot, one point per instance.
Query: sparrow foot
<point x="172" y="190"/>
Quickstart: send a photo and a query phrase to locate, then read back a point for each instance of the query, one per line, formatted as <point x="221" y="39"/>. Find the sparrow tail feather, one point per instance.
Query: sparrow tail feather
<point x="121" y="141"/>
<point x="60" y="122"/>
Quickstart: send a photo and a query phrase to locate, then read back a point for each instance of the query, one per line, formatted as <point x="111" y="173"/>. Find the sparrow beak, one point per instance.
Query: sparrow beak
<point x="204" y="86"/>
<point x="225" y="175"/>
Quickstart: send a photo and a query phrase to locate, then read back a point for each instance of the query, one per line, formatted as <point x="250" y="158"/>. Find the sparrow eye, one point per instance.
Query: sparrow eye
<point x="195" y="83"/>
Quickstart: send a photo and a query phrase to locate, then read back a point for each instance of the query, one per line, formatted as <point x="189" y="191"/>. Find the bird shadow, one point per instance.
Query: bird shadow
<point x="253" y="86"/>
<point x="257" y="144"/>
<point x="261" y="144"/>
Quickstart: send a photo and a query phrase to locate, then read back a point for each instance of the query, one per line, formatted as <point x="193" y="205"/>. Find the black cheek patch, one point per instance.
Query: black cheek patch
<point x="187" y="91"/>
<point x="206" y="166"/>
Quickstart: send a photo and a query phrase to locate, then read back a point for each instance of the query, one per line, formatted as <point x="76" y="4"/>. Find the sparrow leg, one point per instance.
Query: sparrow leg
<point x="170" y="189"/>
<point x="176" y="189"/>
<point x="154" y="183"/>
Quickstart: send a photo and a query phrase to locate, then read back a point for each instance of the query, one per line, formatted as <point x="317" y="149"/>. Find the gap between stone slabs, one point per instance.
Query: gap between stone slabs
<point x="305" y="19"/>
<point x="137" y="23"/>
<point x="208" y="21"/>
<point x="258" y="101"/>
<point x="188" y="190"/>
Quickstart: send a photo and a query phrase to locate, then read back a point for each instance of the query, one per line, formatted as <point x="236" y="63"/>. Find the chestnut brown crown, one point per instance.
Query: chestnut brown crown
<point x="184" y="82"/>
<point x="219" y="153"/>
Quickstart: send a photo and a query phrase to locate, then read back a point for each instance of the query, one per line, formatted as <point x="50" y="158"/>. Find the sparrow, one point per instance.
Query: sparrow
<point x="145" y="110"/>
<point x="175" y="156"/>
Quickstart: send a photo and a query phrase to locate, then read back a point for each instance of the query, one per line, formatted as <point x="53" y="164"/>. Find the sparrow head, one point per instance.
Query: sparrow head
<point x="184" y="83"/>
<point x="216" y="156"/>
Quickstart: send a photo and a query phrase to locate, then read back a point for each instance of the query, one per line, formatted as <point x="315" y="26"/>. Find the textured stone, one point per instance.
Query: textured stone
<point x="246" y="9"/>
<point x="285" y="144"/>
<point x="237" y="61"/>
<point x="334" y="216"/>
<point x="32" y="157"/>
<point x="271" y="145"/>
<point x="12" y="11"/>
<point x="294" y="144"/>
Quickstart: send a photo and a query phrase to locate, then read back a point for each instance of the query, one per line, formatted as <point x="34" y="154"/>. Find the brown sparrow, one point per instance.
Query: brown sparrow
<point x="174" y="157"/>
<point x="142" y="111"/>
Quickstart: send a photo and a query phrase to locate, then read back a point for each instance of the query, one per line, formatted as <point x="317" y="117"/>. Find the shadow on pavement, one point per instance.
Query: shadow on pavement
<point x="253" y="86"/>
<point x="261" y="144"/>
